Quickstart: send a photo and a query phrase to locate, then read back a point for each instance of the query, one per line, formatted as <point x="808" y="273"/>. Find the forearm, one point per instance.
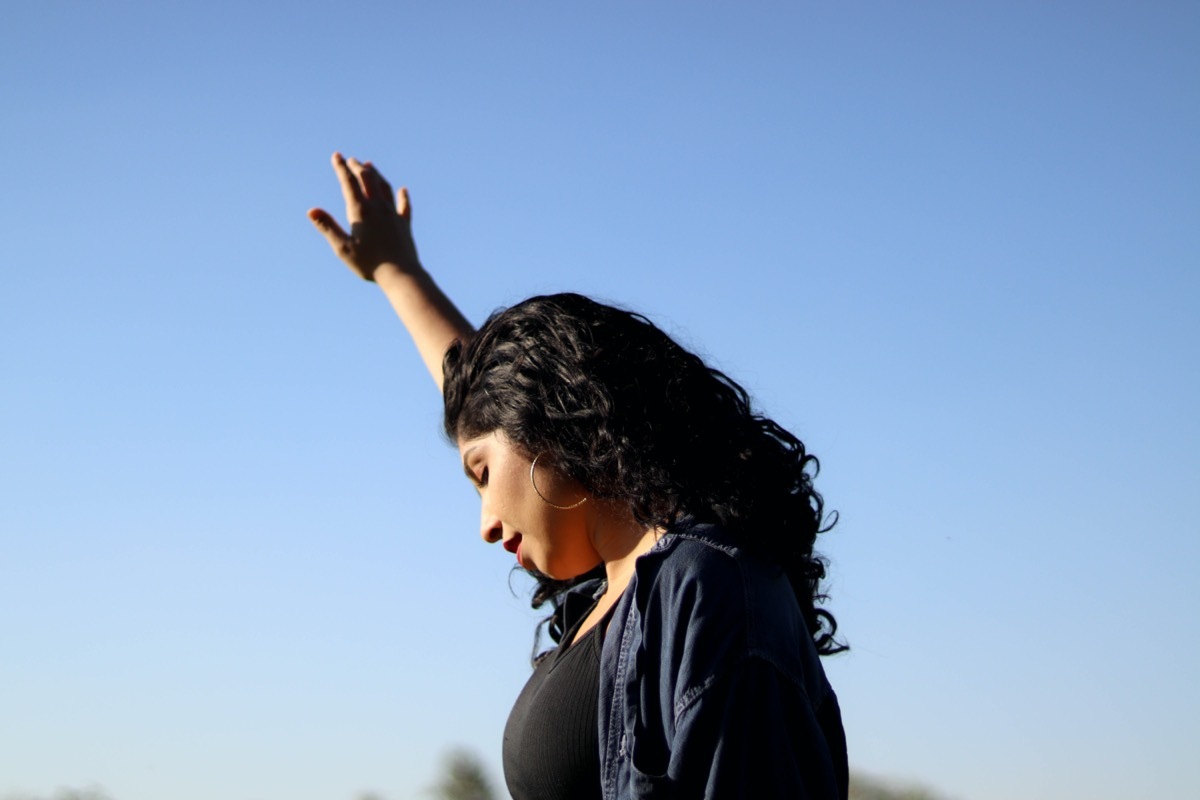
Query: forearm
<point x="433" y="321"/>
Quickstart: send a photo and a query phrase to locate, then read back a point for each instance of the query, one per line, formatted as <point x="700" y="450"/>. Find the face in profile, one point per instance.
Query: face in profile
<point x="533" y="524"/>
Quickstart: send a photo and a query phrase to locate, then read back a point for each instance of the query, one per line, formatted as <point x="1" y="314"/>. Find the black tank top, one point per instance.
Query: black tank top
<point x="551" y="741"/>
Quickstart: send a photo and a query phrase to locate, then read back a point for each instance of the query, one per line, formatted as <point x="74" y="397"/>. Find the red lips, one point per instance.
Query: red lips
<point x="513" y="545"/>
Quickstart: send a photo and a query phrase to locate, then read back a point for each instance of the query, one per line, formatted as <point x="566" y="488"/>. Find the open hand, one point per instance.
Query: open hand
<point x="380" y="222"/>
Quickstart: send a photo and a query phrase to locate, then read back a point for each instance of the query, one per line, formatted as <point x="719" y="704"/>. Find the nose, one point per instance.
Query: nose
<point x="490" y="528"/>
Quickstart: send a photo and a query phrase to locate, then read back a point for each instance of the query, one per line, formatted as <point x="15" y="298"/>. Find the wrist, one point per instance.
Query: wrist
<point x="391" y="272"/>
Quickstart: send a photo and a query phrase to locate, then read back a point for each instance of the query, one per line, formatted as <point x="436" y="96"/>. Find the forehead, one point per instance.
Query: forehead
<point x="467" y="445"/>
<point x="486" y="442"/>
<point x="492" y="446"/>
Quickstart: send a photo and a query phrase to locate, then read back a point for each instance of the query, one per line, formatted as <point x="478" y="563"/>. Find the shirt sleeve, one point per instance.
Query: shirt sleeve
<point x="723" y="705"/>
<point x="753" y="734"/>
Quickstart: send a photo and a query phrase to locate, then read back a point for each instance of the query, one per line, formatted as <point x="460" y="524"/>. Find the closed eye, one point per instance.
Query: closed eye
<point x="478" y="481"/>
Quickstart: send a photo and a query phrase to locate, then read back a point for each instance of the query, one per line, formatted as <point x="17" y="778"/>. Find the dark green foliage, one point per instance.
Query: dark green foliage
<point x="463" y="778"/>
<point x="863" y="787"/>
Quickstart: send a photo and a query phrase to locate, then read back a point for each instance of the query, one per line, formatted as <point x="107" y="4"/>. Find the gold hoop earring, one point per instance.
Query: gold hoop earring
<point x="538" y="491"/>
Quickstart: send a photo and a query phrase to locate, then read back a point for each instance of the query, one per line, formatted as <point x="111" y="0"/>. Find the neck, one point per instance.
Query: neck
<point x="619" y="540"/>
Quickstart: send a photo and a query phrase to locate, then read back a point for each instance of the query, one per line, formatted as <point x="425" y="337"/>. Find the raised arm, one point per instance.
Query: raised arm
<point x="380" y="248"/>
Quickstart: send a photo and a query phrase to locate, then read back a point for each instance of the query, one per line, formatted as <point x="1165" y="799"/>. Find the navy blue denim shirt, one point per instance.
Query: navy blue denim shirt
<point x="710" y="685"/>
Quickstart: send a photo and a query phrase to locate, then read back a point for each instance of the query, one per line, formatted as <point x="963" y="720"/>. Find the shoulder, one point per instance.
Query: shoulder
<point x="690" y="551"/>
<point x="700" y="563"/>
<point x="698" y="587"/>
<point x="689" y="547"/>
<point x="688" y="567"/>
<point x="696" y="582"/>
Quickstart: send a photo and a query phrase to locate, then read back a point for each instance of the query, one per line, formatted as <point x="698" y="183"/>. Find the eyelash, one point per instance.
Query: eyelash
<point x="483" y="478"/>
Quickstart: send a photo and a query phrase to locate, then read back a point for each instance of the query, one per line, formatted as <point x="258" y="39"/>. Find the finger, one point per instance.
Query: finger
<point x="352" y="191"/>
<point x="359" y="171"/>
<point x="385" y="188"/>
<point x="329" y="228"/>
<point x="380" y="188"/>
<point x="403" y="205"/>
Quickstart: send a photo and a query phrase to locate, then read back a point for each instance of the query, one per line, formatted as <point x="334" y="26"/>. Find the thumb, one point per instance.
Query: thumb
<point x="329" y="228"/>
<point x="343" y="245"/>
<point x="403" y="206"/>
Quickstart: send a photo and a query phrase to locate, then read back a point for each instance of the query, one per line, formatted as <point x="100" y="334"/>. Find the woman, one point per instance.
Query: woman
<point x="670" y="526"/>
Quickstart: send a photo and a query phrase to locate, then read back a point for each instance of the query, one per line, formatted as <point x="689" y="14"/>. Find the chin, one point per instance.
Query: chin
<point x="558" y="572"/>
<point x="573" y="571"/>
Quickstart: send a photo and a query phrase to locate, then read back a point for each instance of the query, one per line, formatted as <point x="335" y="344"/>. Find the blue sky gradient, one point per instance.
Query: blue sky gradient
<point x="953" y="246"/>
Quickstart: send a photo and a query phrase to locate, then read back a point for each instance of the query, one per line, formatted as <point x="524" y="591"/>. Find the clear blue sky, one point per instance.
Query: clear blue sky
<point x="954" y="246"/>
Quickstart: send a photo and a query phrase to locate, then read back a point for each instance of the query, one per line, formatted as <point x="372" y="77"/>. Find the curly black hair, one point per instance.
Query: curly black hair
<point x="630" y="414"/>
